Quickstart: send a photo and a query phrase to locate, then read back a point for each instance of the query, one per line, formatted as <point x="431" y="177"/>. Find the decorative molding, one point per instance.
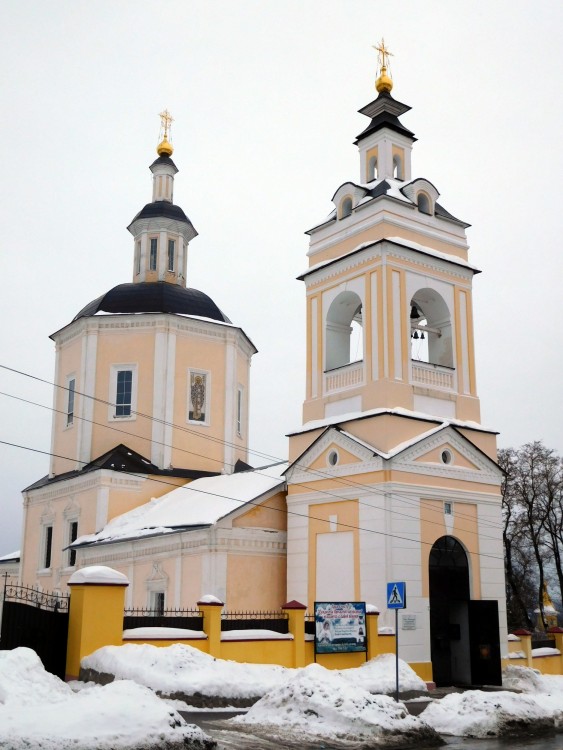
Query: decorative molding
<point x="92" y="480"/>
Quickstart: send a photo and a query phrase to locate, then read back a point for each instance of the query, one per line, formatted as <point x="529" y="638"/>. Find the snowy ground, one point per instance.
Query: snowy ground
<point x="40" y="711"/>
<point x="293" y="707"/>
<point x="315" y="706"/>
<point x="184" y="672"/>
<point x="538" y="707"/>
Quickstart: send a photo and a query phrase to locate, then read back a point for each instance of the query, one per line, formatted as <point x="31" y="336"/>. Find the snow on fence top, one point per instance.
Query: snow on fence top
<point x="99" y="574"/>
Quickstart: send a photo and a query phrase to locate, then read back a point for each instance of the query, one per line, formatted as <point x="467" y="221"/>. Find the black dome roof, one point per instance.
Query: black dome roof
<point x="157" y="297"/>
<point x="162" y="208"/>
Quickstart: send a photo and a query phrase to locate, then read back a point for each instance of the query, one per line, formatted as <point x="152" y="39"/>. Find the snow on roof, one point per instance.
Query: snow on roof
<point x="431" y="251"/>
<point x="426" y="249"/>
<point x="12" y="557"/>
<point x="317" y="424"/>
<point x="199" y="503"/>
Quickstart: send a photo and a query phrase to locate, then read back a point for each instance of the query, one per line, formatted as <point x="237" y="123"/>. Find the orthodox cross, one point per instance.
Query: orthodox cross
<point x="166" y="121"/>
<point x="384" y="53"/>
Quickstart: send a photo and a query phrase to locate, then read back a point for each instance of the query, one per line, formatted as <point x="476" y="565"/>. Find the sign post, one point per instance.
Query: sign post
<point x="396" y="599"/>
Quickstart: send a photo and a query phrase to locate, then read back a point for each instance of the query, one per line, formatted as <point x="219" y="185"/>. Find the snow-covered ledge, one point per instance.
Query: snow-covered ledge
<point x="98" y="575"/>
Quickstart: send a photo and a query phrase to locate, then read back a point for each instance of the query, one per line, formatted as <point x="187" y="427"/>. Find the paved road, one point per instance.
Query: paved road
<point x="212" y="723"/>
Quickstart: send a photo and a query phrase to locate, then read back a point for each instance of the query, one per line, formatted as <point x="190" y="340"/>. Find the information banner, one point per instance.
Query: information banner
<point x="340" y="627"/>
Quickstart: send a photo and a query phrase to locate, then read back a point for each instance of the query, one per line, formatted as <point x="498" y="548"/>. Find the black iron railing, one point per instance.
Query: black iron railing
<point x="190" y="619"/>
<point x="276" y="621"/>
<point x="53" y="601"/>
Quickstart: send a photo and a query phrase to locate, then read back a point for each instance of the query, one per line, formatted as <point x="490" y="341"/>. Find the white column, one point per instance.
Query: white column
<point x="162" y="255"/>
<point x="86" y="401"/>
<point x="230" y="401"/>
<point x="314" y="349"/>
<point x="163" y="398"/>
<point x="397" y="329"/>
<point x="374" y="329"/>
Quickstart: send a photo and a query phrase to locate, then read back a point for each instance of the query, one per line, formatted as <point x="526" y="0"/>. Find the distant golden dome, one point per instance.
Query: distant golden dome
<point x="164" y="148"/>
<point x="383" y="83"/>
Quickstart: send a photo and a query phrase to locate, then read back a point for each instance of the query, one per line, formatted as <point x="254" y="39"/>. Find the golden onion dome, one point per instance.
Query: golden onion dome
<point x="383" y="83"/>
<point x="165" y="148"/>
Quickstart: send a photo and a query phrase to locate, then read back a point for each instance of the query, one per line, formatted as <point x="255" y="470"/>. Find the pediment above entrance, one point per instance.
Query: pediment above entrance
<point x="446" y="453"/>
<point x="334" y="453"/>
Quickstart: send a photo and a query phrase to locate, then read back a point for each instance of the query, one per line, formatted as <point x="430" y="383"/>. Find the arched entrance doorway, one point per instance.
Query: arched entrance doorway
<point x="449" y="597"/>
<point x="464" y="633"/>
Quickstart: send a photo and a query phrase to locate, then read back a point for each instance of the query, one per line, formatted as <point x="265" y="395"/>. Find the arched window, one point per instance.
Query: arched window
<point x="431" y="329"/>
<point x="344" y="331"/>
<point x="397" y="167"/>
<point x="372" y="169"/>
<point x="423" y="203"/>
<point x="346" y="207"/>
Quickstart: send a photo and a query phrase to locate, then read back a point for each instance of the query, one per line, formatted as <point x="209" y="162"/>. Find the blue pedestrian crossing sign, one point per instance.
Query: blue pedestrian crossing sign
<point x="396" y="595"/>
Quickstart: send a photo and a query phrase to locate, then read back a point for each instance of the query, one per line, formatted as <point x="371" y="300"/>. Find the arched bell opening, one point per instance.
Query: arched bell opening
<point x="344" y="331"/>
<point x="431" y="329"/>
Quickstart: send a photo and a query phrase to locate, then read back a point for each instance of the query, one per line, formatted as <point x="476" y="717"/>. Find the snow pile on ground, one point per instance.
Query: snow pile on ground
<point x="546" y="689"/>
<point x="378" y="675"/>
<point x="482" y="714"/>
<point x="316" y="705"/>
<point x="39" y="711"/>
<point x="183" y="672"/>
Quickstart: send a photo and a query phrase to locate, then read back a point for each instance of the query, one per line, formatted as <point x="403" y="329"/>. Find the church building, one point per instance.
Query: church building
<point x="391" y="476"/>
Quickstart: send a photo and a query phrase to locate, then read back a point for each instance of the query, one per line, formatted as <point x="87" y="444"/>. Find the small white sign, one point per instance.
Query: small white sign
<point x="408" y="622"/>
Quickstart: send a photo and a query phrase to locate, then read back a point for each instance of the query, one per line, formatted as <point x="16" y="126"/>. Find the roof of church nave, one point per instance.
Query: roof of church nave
<point x="154" y="297"/>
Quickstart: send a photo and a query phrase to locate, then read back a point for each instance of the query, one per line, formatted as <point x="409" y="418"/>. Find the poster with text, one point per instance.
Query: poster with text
<point x="340" y="627"/>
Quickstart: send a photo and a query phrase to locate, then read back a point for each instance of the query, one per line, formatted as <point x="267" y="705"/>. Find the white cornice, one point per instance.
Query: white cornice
<point x="77" y="484"/>
<point x="152" y="322"/>
<point x="377" y="253"/>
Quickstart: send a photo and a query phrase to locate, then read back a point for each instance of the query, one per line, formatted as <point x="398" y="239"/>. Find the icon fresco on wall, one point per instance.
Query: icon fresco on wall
<point x="340" y="627"/>
<point x="197" y="397"/>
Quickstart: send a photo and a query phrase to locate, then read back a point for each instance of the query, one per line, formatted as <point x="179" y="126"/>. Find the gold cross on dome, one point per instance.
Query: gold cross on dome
<point x="166" y="121"/>
<point x="384" y="53"/>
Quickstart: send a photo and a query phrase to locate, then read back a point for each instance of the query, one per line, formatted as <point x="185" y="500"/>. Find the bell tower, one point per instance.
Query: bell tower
<point x="389" y="311"/>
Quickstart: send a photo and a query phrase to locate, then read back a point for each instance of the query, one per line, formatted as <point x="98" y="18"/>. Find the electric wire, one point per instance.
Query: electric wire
<point x="316" y="490"/>
<point x="256" y="503"/>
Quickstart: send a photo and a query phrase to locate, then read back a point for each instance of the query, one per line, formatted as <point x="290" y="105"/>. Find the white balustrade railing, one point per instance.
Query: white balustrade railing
<point x="434" y="376"/>
<point x="348" y="376"/>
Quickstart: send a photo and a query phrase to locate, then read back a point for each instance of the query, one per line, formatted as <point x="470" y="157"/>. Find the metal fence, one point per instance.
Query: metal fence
<point x="52" y="601"/>
<point x="276" y="621"/>
<point x="190" y="619"/>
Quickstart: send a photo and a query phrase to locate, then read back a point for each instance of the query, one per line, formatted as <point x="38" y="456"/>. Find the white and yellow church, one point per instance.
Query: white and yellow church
<point x="390" y="477"/>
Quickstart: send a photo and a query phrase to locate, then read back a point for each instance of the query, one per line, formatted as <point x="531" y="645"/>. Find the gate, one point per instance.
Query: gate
<point x="38" y="620"/>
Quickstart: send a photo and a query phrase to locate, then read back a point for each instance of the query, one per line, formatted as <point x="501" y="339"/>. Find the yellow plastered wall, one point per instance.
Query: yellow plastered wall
<point x="271" y="514"/>
<point x="256" y="581"/>
<point x="347" y="514"/>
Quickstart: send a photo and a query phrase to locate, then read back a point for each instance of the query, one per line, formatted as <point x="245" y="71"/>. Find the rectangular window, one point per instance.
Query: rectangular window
<point x="72" y="537"/>
<point x="48" y="539"/>
<point x="153" y="254"/>
<point x="171" y="246"/>
<point x="138" y="258"/>
<point x="448" y="509"/>
<point x="70" y="401"/>
<point x="239" y="411"/>
<point x="197" y="397"/>
<point x="124" y="393"/>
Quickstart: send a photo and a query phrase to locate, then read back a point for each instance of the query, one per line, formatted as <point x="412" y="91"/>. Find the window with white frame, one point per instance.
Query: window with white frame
<point x="71" y="390"/>
<point x="138" y="260"/>
<point x="240" y="407"/>
<point x="198" y="396"/>
<point x="171" y="249"/>
<point x="123" y="392"/>
<point x="153" y="253"/>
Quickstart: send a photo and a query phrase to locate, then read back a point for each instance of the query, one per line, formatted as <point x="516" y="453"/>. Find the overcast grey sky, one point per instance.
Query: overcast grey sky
<point x="265" y="97"/>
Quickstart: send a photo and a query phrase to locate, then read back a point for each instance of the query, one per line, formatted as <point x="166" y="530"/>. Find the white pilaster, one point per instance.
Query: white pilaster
<point x="86" y="402"/>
